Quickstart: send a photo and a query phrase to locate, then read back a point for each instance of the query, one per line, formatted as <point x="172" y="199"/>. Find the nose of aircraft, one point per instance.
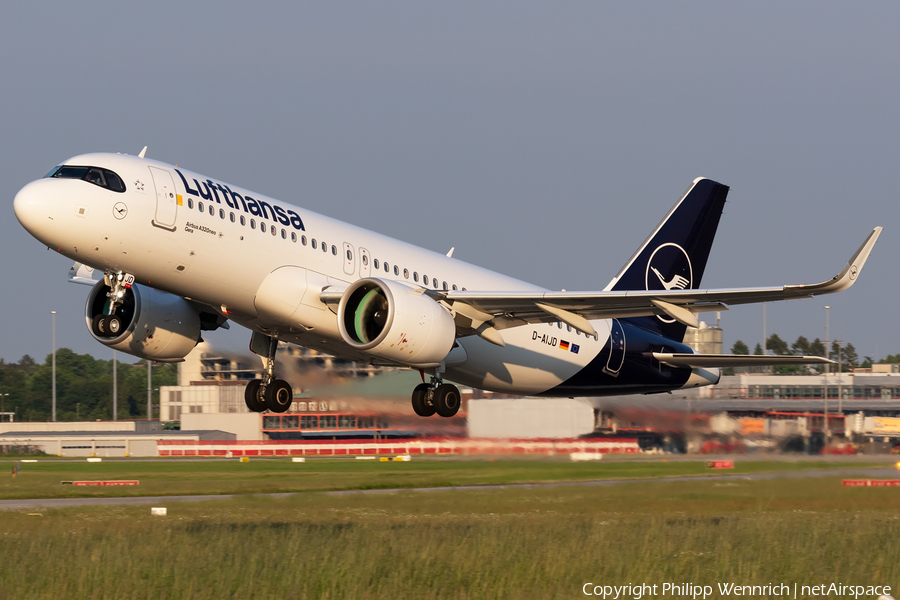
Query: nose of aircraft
<point x="32" y="207"/>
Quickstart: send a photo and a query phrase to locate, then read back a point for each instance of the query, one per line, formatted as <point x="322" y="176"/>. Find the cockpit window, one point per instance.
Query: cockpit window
<point x="102" y="177"/>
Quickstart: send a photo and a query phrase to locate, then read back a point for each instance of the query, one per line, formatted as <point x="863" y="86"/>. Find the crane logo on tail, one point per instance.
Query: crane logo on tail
<point x="669" y="268"/>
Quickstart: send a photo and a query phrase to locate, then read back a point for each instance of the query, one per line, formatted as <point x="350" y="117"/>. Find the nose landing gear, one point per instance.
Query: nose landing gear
<point x="109" y="323"/>
<point x="267" y="393"/>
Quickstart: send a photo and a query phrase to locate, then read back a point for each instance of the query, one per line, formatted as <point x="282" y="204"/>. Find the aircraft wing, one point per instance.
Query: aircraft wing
<point x="490" y="311"/>
<point x="735" y="360"/>
<point x="83" y="274"/>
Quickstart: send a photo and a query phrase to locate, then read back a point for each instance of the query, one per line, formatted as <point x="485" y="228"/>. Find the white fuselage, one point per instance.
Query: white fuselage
<point x="224" y="252"/>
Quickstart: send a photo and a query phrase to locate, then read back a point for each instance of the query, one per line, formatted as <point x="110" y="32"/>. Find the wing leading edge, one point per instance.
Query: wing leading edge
<point x="510" y="309"/>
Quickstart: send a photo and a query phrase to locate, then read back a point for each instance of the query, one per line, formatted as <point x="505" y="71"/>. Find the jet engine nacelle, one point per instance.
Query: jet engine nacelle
<point x="395" y="322"/>
<point x="155" y="325"/>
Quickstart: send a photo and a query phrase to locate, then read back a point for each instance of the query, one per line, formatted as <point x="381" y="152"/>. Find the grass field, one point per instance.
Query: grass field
<point x="499" y="543"/>
<point x="481" y="544"/>
<point x="42" y="479"/>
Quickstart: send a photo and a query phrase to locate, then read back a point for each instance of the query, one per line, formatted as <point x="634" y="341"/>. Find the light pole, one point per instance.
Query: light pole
<point x="149" y="390"/>
<point x="840" y="344"/>
<point x="827" y="371"/>
<point x="53" y="329"/>
<point x="115" y="387"/>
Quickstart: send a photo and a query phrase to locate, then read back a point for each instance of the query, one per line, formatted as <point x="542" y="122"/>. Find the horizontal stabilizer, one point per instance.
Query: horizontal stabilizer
<point x="735" y="360"/>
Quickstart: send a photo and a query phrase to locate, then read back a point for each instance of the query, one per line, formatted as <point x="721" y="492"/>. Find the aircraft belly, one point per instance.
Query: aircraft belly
<point x="535" y="358"/>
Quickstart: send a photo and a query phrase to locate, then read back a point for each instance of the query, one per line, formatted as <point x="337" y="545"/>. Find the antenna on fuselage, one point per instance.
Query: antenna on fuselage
<point x="143" y="152"/>
<point x="450" y="254"/>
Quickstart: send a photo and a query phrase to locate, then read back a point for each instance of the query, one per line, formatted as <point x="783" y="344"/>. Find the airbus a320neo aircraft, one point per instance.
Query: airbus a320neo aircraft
<point x="180" y="253"/>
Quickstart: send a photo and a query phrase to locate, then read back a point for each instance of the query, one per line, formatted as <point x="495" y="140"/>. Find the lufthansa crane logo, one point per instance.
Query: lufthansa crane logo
<point x="669" y="268"/>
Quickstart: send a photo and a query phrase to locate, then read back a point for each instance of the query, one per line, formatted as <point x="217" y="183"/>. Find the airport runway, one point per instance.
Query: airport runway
<point x="29" y="503"/>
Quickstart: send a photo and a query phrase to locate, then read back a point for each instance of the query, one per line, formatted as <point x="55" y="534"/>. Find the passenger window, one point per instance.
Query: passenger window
<point x="252" y="223"/>
<point x="221" y="213"/>
<point x="200" y="206"/>
<point x="231" y="216"/>
<point x="376" y="263"/>
<point x="349" y="255"/>
<point x="405" y="273"/>
<point x="274" y="231"/>
<point x="262" y="226"/>
<point x="445" y="285"/>
<point x="212" y="210"/>
<point x="313" y="244"/>
<point x="283" y="234"/>
<point x="243" y="220"/>
<point x="324" y="247"/>
<point x="294" y="237"/>
<point x="425" y="280"/>
<point x="454" y="287"/>
<point x="416" y="276"/>
<point x="464" y="289"/>
<point x="396" y="270"/>
<point x="334" y="250"/>
<point x="365" y="260"/>
<point x="190" y="203"/>
<point x="434" y="283"/>
<point x="387" y="268"/>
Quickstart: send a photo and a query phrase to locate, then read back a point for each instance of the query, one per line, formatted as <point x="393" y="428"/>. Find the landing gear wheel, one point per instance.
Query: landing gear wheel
<point x="279" y="396"/>
<point x="98" y="325"/>
<point x="420" y="402"/>
<point x="113" y="326"/>
<point x="446" y="400"/>
<point x="251" y="396"/>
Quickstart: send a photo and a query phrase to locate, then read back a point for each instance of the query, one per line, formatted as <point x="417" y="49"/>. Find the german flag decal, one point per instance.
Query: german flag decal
<point x="563" y="345"/>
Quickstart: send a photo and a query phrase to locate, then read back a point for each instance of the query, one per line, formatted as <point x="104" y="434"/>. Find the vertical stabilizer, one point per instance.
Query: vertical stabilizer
<point x="675" y="254"/>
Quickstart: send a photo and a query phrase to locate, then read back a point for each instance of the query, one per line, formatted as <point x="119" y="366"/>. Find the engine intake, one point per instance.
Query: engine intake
<point x="395" y="322"/>
<point x="150" y="324"/>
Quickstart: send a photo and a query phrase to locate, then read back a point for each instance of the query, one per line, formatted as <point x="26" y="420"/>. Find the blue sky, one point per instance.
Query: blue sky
<point x="541" y="140"/>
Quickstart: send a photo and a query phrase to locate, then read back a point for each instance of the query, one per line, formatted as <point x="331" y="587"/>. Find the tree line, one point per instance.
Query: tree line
<point x="83" y="387"/>
<point x="845" y="353"/>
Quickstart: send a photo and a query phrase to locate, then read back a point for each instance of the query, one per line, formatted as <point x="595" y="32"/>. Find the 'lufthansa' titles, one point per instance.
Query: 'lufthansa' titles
<point x="210" y="190"/>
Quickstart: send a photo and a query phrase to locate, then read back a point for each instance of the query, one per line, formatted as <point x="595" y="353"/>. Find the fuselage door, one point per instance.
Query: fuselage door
<point x="616" y="349"/>
<point x="364" y="262"/>
<point x="166" y="199"/>
<point x="349" y="259"/>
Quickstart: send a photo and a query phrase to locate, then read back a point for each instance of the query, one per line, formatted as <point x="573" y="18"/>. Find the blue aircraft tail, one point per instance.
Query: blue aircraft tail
<point x="675" y="254"/>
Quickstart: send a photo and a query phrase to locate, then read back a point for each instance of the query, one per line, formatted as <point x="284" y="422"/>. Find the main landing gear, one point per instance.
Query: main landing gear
<point x="436" y="397"/>
<point x="267" y="393"/>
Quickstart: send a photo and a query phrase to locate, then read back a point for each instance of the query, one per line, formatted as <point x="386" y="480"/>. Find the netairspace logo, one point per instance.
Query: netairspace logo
<point x="690" y="590"/>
